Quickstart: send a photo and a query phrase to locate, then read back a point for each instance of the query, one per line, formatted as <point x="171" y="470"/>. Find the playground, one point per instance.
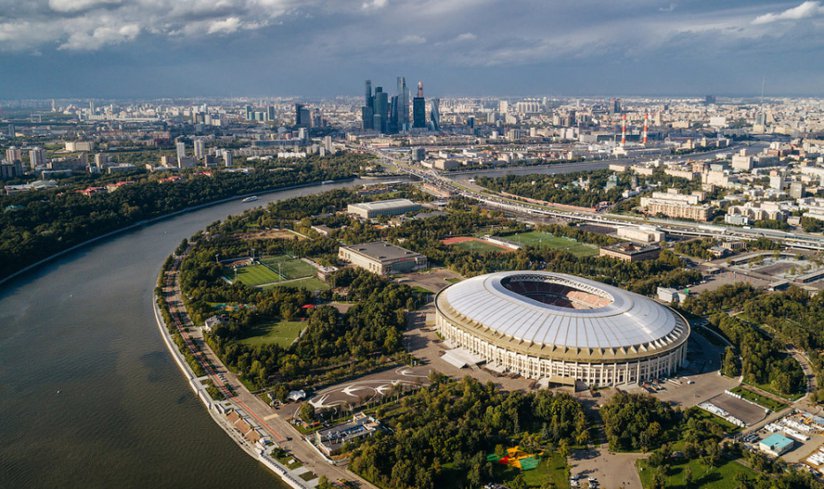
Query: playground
<point x="535" y="470"/>
<point x="516" y="458"/>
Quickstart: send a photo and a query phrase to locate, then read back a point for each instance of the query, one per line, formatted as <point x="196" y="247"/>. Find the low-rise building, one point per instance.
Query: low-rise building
<point x="382" y="258"/>
<point x="331" y="440"/>
<point x="776" y="444"/>
<point x="672" y="296"/>
<point x="631" y="252"/>
<point x="643" y="234"/>
<point x="392" y="207"/>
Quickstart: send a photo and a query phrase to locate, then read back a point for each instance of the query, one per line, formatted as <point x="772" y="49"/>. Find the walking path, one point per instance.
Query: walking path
<point x="241" y="400"/>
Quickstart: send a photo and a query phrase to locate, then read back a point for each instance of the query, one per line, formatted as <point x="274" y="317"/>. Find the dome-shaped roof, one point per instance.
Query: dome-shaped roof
<point x="562" y="311"/>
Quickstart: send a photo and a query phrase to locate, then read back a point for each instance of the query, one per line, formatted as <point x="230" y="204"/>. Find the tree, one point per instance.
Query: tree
<point x="659" y="479"/>
<point x="689" y="478"/>
<point x="518" y="482"/>
<point x="307" y="412"/>
<point x="730" y="365"/>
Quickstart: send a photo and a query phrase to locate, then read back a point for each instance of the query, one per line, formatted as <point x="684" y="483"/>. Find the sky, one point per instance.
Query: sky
<point x="324" y="48"/>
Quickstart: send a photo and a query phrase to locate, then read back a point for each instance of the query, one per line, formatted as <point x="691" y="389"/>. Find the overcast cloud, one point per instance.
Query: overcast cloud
<point x="326" y="47"/>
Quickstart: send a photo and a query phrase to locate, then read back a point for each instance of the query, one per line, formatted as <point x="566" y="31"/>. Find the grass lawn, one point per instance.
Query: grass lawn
<point x="553" y="468"/>
<point x="723" y="423"/>
<point x="769" y="388"/>
<point x="479" y="247"/>
<point x="308" y="283"/>
<point x="541" y="239"/>
<point x="253" y="275"/>
<point x="290" y="267"/>
<point x="722" y="477"/>
<point x="757" y="398"/>
<point x="286" y="458"/>
<point x="282" y="333"/>
<point x="307" y="476"/>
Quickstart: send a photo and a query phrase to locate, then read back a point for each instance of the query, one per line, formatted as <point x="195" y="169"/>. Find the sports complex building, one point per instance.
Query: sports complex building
<point x="562" y="328"/>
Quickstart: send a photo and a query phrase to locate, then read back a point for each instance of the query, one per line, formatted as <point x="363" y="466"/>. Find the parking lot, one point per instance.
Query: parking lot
<point x="747" y="412"/>
<point x="700" y="380"/>
<point x="612" y="470"/>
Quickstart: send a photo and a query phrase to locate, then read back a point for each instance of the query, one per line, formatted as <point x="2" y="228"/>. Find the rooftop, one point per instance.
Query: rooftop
<point x="777" y="441"/>
<point x="553" y="309"/>
<point x="380" y="250"/>
<point x="385" y="204"/>
<point x="631" y="248"/>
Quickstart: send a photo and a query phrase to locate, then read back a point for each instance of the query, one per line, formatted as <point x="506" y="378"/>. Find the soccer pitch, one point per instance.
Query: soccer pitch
<point x="253" y="275"/>
<point x="291" y="268"/>
<point x="271" y="270"/>
<point x="541" y="239"/>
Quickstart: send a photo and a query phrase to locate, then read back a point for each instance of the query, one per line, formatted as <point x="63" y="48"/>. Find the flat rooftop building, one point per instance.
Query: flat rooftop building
<point x="631" y="252"/>
<point x="382" y="258"/>
<point x="392" y="207"/>
<point x="776" y="444"/>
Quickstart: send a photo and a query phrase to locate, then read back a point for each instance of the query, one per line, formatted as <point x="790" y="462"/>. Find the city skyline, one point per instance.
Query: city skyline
<point x="123" y="49"/>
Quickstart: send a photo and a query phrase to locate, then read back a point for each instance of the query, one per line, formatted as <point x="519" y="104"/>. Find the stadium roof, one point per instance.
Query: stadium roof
<point x="618" y="319"/>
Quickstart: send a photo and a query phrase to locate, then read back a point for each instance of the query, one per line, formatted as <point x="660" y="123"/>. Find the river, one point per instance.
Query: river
<point x="89" y="396"/>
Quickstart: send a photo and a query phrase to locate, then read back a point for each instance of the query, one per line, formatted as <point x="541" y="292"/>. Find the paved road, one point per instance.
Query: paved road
<point x="278" y="428"/>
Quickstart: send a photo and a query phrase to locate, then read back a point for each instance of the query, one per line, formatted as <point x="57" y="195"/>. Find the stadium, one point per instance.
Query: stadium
<point x="562" y="328"/>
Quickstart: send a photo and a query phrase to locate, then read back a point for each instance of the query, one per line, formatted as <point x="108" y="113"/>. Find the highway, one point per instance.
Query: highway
<point x="460" y="185"/>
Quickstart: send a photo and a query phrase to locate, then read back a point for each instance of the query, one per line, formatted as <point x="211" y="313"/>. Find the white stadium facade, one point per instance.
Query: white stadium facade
<point x="562" y="328"/>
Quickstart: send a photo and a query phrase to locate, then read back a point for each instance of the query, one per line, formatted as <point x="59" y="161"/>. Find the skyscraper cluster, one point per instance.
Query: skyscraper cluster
<point x="387" y="115"/>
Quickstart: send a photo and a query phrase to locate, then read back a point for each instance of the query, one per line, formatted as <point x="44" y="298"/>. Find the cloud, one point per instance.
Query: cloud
<point x="374" y="4"/>
<point x="412" y="39"/>
<point x="804" y="10"/>
<point x="669" y="8"/>
<point x="79" y="5"/>
<point x="466" y="36"/>
<point x="84" y="25"/>
<point x="225" y="26"/>
<point x="101" y="36"/>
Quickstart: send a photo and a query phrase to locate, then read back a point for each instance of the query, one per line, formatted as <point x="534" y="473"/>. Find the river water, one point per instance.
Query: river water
<point x="89" y="396"/>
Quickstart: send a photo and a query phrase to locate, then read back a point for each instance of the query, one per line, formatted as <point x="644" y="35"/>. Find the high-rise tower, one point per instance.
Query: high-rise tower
<point x="435" y="114"/>
<point x="368" y="109"/>
<point x="419" y="109"/>
<point x="403" y="104"/>
<point x="381" y="110"/>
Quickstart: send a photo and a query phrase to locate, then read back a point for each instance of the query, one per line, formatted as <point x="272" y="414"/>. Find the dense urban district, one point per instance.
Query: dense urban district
<point x="513" y="293"/>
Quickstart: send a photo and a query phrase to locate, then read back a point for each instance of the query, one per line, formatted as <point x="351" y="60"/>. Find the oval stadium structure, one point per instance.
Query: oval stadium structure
<point x="562" y="328"/>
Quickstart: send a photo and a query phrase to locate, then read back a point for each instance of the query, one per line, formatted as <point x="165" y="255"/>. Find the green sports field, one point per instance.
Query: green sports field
<point x="254" y="275"/>
<point x="291" y="268"/>
<point x="546" y="240"/>
<point x="267" y="273"/>
<point x="282" y="333"/>
<point x="308" y="283"/>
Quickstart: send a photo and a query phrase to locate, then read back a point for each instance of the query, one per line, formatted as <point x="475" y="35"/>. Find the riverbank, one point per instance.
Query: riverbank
<point x="153" y="220"/>
<point x="217" y="410"/>
<point x="86" y="320"/>
<point x="254" y="425"/>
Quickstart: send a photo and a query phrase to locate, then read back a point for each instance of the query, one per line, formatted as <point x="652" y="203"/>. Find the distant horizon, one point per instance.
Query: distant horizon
<point x="137" y="49"/>
<point x="78" y="98"/>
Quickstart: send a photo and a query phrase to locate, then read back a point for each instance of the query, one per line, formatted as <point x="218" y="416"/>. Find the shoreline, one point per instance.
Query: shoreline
<point x="210" y="405"/>
<point x="155" y="219"/>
